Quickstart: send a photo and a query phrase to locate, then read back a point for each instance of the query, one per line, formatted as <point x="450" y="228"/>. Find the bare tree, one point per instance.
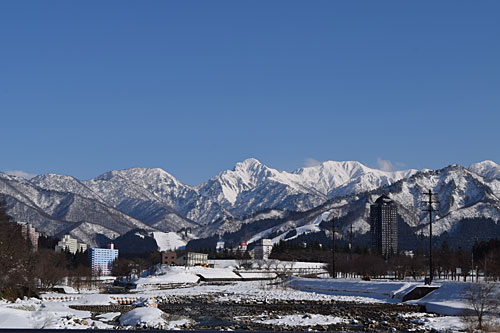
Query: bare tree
<point x="276" y="264"/>
<point x="51" y="268"/>
<point x="243" y="263"/>
<point x="259" y="264"/>
<point x="483" y="298"/>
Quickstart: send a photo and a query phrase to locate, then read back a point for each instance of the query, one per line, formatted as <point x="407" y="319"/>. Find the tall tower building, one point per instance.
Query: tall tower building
<point x="384" y="226"/>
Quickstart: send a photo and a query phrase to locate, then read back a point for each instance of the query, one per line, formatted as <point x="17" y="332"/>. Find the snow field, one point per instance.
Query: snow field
<point x="298" y="320"/>
<point x="34" y="313"/>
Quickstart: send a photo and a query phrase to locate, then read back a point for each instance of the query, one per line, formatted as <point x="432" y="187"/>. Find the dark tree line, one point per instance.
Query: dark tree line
<point x="17" y="264"/>
<point x="360" y="261"/>
<point x="25" y="270"/>
<point x="486" y="256"/>
<point x="134" y="263"/>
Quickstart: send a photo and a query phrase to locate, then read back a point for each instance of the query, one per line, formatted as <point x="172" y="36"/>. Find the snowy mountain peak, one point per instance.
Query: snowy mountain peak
<point x="250" y="169"/>
<point x="143" y="175"/>
<point x="249" y="163"/>
<point x="346" y="168"/>
<point x="486" y="169"/>
<point x="117" y="201"/>
<point x="334" y="178"/>
<point x="47" y="177"/>
<point x="63" y="183"/>
<point x="226" y="186"/>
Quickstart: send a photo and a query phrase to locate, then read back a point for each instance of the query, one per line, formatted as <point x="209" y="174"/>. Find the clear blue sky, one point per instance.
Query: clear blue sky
<point x="195" y="86"/>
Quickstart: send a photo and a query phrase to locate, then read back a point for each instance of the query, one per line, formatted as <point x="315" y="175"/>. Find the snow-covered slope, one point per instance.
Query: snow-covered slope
<point x="344" y="178"/>
<point x="486" y="169"/>
<point x="55" y="212"/>
<point x="156" y="184"/>
<point x="123" y="190"/>
<point x="462" y="195"/>
<point x="251" y="186"/>
<point x="152" y="199"/>
<point x="168" y="241"/>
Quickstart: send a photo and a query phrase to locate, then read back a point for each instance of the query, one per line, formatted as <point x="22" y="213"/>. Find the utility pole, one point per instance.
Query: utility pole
<point x="472" y="265"/>
<point x="430" y="210"/>
<point x="332" y="219"/>
<point x="472" y="252"/>
<point x="350" y="243"/>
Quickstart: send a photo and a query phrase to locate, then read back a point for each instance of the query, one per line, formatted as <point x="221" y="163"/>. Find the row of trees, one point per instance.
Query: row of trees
<point x="483" y="259"/>
<point x="133" y="263"/>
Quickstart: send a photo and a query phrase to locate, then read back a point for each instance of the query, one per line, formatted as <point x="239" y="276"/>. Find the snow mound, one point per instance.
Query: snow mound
<point x="145" y="317"/>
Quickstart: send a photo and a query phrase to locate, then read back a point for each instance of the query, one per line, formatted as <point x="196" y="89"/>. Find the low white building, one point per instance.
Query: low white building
<point x="70" y="244"/>
<point x="193" y="259"/>
<point x="219" y="247"/>
<point x="263" y="249"/>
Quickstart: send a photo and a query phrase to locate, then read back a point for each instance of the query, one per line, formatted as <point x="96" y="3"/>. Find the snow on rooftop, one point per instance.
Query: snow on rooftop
<point x="216" y="273"/>
<point x="258" y="275"/>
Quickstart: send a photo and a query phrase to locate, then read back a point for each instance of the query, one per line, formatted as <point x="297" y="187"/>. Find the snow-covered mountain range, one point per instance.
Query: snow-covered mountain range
<point x="151" y="199"/>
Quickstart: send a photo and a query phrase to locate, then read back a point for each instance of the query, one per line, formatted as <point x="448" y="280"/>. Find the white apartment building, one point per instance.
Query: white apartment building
<point x="70" y="244"/>
<point x="263" y="249"/>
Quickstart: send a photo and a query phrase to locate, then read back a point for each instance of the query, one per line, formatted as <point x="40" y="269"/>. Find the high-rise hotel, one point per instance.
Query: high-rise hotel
<point x="384" y="226"/>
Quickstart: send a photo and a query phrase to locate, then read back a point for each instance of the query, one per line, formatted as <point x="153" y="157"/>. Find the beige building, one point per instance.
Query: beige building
<point x="29" y="232"/>
<point x="70" y="244"/>
<point x="168" y="258"/>
<point x="193" y="259"/>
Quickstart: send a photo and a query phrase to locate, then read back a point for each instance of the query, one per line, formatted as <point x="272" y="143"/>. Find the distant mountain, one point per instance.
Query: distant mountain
<point x="463" y="196"/>
<point x="57" y="212"/>
<point x="251" y="186"/>
<point x="486" y="169"/>
<point x="157" y="185"/>
<point x="249" y="197"/>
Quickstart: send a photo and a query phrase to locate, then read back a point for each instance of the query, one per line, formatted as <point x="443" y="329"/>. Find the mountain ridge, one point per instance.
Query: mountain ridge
<point x="151" y="198"/>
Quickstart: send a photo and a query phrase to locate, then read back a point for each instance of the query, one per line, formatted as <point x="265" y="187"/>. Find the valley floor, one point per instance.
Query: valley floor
<point x="295" y="304"/>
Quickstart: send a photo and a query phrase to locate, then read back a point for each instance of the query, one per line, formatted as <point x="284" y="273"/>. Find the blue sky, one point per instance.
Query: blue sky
<point x="195" y="86"/>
